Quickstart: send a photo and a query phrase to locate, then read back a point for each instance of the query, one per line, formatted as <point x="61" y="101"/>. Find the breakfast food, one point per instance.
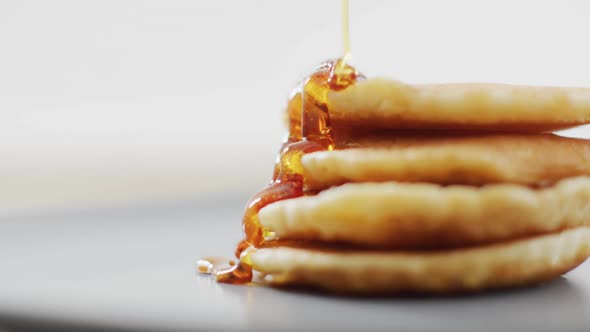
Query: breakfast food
<point x="506" y="264"/>
<point x="425" y="216"/>
<point x="499" y="107"/>
<point x="450" y="159"/>
<point x="383" y="187"/>
<point x="377" y="191"/>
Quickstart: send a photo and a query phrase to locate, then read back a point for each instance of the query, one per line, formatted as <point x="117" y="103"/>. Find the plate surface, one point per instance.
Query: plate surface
<point x="133" y="268"/>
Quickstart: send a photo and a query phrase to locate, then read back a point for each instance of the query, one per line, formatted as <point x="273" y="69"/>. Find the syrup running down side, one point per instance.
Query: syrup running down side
<point x="309" y="131"/>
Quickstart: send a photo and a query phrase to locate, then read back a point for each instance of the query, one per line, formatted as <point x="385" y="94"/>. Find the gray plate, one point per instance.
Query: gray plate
<point x="133" y="268"/>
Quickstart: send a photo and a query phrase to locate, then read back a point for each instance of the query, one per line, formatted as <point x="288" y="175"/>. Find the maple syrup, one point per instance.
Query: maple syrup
<point x="309" y="131"/>
<point x="345" y="33"/>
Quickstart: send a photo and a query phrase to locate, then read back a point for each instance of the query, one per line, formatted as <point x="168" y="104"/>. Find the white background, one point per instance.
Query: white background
<point x="113" y="101"/>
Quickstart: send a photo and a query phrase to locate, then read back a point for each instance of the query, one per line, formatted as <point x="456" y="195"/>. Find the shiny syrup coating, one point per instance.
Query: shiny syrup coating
<point x="309" y="131"/>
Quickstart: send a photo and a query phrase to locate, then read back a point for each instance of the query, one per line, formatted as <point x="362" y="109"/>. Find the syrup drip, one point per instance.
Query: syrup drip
<point x="309" y="131"/>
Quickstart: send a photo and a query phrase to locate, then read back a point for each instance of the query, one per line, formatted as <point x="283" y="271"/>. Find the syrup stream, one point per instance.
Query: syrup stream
<point x="309" y="131"/>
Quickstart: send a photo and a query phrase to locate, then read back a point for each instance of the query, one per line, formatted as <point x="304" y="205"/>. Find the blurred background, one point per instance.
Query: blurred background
<point x="132" y="133"/>
<point x="107" y="102"/>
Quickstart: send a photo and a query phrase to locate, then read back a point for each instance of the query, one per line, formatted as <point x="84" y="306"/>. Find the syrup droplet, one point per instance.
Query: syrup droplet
<point x="212" y="265"/>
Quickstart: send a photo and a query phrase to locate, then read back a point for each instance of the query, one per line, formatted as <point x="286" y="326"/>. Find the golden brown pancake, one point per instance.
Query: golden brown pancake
<point x="502" y="265"/>
<point x="421" y="215"/>
<point x="536" y="159"/>
<point x="423" y="188"/>
<point x="382" y="103"/>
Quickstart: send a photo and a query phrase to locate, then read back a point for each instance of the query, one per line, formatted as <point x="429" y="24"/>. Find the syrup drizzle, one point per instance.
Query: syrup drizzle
<point x="309" y="131"/>
<point x="345" y="33"/>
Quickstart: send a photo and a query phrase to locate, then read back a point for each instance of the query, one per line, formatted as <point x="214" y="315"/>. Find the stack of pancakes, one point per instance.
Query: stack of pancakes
<point x="436" y="189"/>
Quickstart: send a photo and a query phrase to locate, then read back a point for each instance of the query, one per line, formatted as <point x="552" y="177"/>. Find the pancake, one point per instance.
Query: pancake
<point x="517" y="263"/>
<point x="538" y="159"/>
<point x="421" y="215"/>
<point x="382" y="103"/>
